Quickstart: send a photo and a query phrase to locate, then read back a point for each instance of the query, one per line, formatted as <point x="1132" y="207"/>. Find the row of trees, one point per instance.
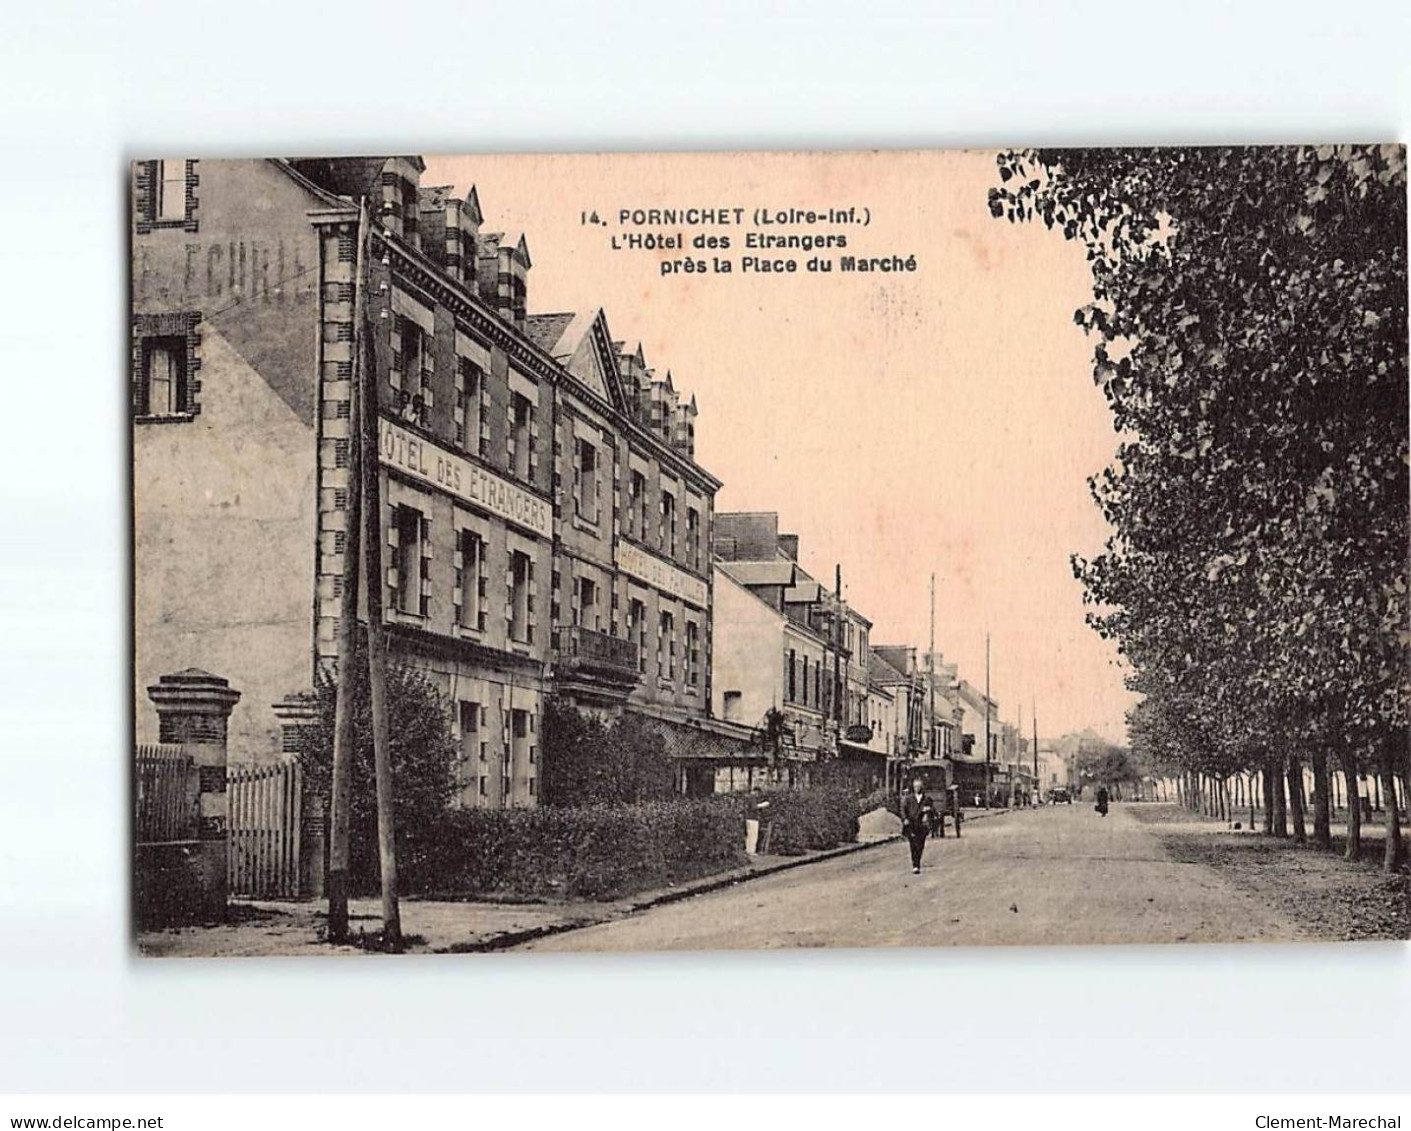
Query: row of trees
<point x="1250" y="322"/>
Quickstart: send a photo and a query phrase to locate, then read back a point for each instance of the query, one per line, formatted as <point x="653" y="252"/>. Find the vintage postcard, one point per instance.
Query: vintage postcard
<point x="758" y="550"/>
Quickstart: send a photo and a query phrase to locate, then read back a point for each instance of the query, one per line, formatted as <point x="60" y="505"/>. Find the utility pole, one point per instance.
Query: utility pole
<point x="373" y="577"/>
<point x="838" y="681"/>
<point x="1034" y="716"/>
<point x="987" y="720"/>
<point x="340" y="792"/>
<point x="931" y="674"/>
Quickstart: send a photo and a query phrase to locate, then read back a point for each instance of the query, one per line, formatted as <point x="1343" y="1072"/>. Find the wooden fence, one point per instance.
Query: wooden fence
<point x="166" y="795"/>
<point x="265" y="809"/>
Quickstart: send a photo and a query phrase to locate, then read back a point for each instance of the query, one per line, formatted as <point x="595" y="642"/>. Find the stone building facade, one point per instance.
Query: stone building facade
<point x="545" y="527"/>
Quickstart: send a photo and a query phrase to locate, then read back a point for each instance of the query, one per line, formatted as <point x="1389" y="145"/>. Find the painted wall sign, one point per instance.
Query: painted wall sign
<point x="660" y="574"/>
<point x="408" y="453"/>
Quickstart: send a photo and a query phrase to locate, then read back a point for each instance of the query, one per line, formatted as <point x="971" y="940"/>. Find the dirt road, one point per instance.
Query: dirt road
<point x="1060" y="875"/>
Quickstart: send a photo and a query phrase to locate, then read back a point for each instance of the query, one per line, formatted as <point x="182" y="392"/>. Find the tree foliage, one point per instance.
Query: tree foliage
<point x="587" y="761"/>
<point x="422" y="750"/>
<point x="1249" y="319"/>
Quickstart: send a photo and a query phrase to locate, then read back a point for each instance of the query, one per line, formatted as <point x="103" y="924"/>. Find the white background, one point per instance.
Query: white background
<point x="86" y="87"/>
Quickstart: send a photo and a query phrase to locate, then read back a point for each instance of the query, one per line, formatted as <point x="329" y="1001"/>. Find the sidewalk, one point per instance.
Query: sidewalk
<point x="271" y="928"/>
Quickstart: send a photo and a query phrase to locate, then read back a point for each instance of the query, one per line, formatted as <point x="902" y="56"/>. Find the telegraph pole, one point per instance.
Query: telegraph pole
<point x="373" y="576"/>
<point x="931" y="675"/>
<point x="1034" y="716"/>
<point x="987" y="720"/>
<point x="340" y="791"/>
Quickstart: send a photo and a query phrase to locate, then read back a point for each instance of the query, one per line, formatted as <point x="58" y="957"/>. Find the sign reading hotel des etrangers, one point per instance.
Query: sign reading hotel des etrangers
<point x="422" y="460"/>
<point x="660" y="574"/>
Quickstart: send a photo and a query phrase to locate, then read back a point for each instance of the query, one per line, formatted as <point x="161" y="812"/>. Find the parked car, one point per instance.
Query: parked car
<point x="1059" y="795"/>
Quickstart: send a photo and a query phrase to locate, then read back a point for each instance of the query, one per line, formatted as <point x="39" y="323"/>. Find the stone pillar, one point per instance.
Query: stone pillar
<point x="294" y="712"/>
<point x="193" y="708"/>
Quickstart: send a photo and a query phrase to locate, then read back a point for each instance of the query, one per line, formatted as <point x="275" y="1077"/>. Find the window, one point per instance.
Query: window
<point x="666" y="647"/>
<point x="473" y="740"/>
<point x="585" y="480"/>
<point x="165" y="364"/>
<point x="163" y="376"/>
<point x="666" y="532"/>
<point x="170" y="184"/>
<point x="789" y="676"/>
<point x="588" y="615"/>
<point x="165" y="196"/>
<point x="805" y="681"/>
<point x="732" y="701"/>
<point x="410" y="370"/>
<point x="521" y="605"/>
<point x="637" y="506"/>
<point x="693" y="536"/>
<point x="521" y="418"/>
<point x="470" y="384"/>
<point x="693" y="654"/>
<point x="471" y="571"/>
<point x="637" y="631"/>
<point x="410" y="561"/>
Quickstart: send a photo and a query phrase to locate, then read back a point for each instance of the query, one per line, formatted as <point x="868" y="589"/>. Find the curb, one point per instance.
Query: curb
<point x="511" y="939"/>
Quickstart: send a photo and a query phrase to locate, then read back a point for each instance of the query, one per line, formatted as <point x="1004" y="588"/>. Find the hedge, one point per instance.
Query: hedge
<point x="807" y="820"/>
<point x="888" y="799"/>
<point x="595" y="852"/>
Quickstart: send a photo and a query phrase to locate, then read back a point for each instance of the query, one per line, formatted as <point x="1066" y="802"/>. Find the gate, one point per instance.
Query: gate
<point x="165" y="793"/>
<point x="266" y="805"/>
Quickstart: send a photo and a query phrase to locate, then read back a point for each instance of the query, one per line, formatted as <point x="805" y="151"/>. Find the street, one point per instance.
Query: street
<point x="1057" y="875"/>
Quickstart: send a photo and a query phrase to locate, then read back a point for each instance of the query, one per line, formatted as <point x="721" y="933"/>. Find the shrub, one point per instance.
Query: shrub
<point x="588" y="762"/>
<point x="888" y="799"/>
<point x="592" y="852"/>
<point x="807" y="820"/>
<point x="422" y="752"/>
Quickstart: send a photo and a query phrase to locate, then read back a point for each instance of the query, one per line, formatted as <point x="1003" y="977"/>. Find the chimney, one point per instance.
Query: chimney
<point x="789" y="544"/>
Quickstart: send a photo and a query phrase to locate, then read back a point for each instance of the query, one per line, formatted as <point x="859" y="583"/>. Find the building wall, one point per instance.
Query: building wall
<point x="805" y="706"/>
<point x="224" y="499"/>
<point x="747" y="643"/>
<point x="459" y="501"/>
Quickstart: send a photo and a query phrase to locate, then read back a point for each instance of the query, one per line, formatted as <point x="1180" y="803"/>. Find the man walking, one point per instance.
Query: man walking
<point x="917" y="812"/>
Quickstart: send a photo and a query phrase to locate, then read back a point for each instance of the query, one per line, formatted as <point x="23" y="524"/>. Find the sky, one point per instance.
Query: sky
<point x="901" y="423"/>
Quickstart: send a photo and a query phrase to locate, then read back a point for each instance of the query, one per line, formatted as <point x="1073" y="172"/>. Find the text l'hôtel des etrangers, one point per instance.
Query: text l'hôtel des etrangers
<point x="742" y="241"/>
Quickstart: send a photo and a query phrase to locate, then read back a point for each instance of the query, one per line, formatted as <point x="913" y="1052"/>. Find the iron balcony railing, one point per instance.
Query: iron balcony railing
<point x="586" y="650"/>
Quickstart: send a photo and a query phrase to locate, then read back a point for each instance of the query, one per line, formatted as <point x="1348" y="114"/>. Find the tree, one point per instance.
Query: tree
<point x="423" y="753"/>
<point x="587" y="761"/>
<point x="1249" y="316"/>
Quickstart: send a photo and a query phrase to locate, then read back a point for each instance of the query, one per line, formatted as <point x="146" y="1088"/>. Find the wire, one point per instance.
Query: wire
<point x="243" y="300"/>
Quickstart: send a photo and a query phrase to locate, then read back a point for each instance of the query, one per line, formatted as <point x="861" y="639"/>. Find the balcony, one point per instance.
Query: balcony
<point x="587" y="659"/>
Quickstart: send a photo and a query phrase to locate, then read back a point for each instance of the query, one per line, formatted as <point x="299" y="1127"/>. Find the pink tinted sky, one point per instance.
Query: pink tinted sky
<point x="939" y="420"/>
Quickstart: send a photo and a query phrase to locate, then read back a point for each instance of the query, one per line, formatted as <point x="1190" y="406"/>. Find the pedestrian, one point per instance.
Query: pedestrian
<point x="917" y="812"/>
<point x="1102" y="798"/>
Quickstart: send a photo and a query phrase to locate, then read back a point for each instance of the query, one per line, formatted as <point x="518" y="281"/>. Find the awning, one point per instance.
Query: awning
<point x="846" y="747"/>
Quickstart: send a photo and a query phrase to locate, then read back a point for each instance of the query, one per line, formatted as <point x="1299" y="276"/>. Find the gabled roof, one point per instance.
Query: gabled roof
<point x="879" y="671"/>
<point x="472" y="205"/>
<point x="582" y="344"/>
<point x="546" y="330"/>
<point x="805" y="592"/>
<point x="514" y="241"/>
<point x="433" y="198"/>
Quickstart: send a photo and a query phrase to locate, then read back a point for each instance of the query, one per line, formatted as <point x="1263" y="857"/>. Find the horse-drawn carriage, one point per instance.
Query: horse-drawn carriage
<point x="935" y="775"/>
